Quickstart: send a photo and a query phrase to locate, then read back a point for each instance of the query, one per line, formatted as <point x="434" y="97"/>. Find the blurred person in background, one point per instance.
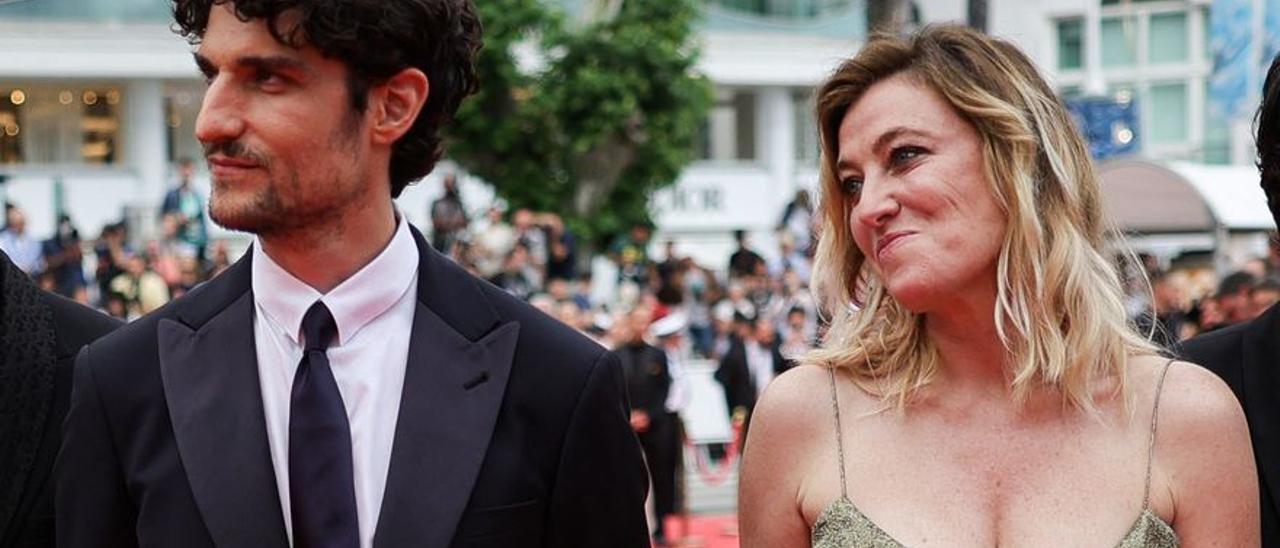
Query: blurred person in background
<point x="185" y="206"/>
<point x="1246" y="355"/>
<point x="988" y="388"/>
<point x="448" y="216"/>
<point x="797" y="221"/>
<point x="1234" y="298"/>
<point x="751" y="362"/>
<point x="631" y="252"/>
<point x="562" y="249"/>
<point x="140" y="288"/>
<point x="531" y="235"/>
<point x="1165" y="320"/>
<point x="517" y="277"/>
<point x="744" y="261"/>
<point x="648" y="379"/>
<point x="1265" y="295"/>
<point x="219" y="258"/>
<point x="64" y="261"/>
<point x="112" y="252"/>
<point x="24" y="251"/>
<point x="493" y="240"/>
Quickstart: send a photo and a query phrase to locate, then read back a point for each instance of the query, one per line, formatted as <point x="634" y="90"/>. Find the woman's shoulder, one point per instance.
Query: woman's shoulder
<point x="1194" y="406"/>
<point x="795" y="405"/>
<point x="1186" y="392"/>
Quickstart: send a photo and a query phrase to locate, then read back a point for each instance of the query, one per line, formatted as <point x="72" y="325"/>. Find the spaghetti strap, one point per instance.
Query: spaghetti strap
<point x="1151" y="441"/>
<point x="835" y="407"/>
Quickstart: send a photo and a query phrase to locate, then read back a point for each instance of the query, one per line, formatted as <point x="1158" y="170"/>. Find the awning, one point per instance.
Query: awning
<point x="1171" y="197"/>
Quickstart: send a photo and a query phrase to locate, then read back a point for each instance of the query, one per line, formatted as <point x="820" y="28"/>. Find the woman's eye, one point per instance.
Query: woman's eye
<point x="904" y="154"/>
<point x="851" y="186"/>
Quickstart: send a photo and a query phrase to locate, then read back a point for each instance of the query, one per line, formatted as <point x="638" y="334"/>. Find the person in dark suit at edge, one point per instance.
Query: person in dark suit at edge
<point x="1247" y="355"/>
<point x="343" y="384"/>
<point x="40" y="334"/>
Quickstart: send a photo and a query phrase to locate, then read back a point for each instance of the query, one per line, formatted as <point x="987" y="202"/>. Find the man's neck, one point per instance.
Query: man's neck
<point x="323" y="257"/>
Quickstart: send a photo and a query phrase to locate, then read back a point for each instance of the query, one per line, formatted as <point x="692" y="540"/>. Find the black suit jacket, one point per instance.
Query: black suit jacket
<point x="1247" y="357"/>
<point x="513" y="429"/>
<point x="734" y="374"/>
<point x="40" y="334"/>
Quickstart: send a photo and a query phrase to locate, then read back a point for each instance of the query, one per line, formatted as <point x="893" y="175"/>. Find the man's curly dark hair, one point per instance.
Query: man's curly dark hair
<point x="1268" y="138"/>
<point x="376" y="39"/>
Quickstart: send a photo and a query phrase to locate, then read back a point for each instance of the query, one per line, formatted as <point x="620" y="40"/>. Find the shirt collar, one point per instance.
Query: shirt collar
<point x="355" y="302"/>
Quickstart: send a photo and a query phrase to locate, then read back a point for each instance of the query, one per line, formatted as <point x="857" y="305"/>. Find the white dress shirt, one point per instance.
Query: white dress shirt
<point x="373" y="310"/>
<point x="760" y="364"/>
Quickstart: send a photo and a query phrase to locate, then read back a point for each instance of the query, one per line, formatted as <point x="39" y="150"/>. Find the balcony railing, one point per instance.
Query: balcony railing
<point x="787" y="9"/>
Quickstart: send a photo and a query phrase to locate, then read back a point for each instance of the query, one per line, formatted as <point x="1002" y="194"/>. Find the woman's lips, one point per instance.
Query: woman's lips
<point x="890" y="241"/>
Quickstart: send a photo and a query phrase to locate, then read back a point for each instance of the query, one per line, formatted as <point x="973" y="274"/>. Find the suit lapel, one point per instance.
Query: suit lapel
<point x="210" y="376"/>
<point x="456" y="376"/>
<point x="1261" y="356"/>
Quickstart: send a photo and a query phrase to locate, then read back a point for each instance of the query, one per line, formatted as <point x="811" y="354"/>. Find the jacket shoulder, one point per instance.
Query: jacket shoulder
<point x="75" y="324"/>
<point x="1216" y="350"/>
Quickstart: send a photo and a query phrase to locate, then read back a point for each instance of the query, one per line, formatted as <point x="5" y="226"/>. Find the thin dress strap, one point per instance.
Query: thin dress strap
<point x="835" y="406"/>
<point x="1151" y="442"/>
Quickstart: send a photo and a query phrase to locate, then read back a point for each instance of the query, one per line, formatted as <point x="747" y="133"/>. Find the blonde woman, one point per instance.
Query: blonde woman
<point x="986" y="391"/>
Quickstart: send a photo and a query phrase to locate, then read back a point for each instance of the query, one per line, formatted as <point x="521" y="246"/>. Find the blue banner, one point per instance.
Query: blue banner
<point x="1109" y="125"/>
<point x="1230" y="40"/>
<point x="1271" y="26"/>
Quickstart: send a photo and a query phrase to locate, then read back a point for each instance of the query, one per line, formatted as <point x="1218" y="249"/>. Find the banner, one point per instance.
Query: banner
<point x="1231" y="42"/>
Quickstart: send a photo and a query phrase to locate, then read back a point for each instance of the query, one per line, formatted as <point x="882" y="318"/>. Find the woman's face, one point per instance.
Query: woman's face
<point x="921" y="209"/>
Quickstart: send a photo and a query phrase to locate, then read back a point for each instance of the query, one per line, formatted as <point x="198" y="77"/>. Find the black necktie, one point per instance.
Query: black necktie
<point x="322" y="493"/>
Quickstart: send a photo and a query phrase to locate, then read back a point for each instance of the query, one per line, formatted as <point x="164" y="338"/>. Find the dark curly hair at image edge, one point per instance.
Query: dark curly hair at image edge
<point x="376" y="39"/>
<point x="1268" y="138"/>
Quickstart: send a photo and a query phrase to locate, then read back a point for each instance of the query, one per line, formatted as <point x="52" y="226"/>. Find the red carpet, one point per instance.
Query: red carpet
<point x="704" y="532"/>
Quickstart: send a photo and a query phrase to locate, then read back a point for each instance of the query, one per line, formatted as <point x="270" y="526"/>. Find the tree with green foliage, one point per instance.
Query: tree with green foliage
<point x="584" y="118"/>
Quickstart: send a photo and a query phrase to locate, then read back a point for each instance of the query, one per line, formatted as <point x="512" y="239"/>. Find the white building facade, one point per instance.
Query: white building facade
<point x="98" y="98"/>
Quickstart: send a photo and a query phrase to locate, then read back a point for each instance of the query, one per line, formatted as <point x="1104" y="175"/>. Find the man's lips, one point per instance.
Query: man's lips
<point x="886" y="242"/>
<point x="227" y="162"/>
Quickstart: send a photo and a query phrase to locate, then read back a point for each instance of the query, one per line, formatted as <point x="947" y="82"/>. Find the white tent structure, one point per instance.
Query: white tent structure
<point x="1171" y="208"/>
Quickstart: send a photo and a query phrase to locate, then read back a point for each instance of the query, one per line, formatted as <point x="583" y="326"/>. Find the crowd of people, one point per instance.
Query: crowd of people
<point x="1189" y="301"/>
<point x="120" y="278"/>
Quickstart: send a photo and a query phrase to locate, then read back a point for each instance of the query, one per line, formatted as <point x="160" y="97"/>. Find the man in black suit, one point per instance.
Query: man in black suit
<point x="648" y="378"/>
<point x="343" y="384"/>
<point x="754" y="358"/>
<point x="40" y="334"/>
<point x="1247" y="355"/>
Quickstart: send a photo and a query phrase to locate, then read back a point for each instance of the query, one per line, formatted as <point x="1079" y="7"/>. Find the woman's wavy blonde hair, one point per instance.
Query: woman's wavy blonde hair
<point x="1060" y="308"/>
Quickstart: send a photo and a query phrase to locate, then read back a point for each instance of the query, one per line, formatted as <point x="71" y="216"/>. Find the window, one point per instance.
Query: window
<point x="99" y="126"/>
<point x="1168" y="113"/>
<point x="1070" y="44"/>
<point x="730" y="131"/>
<point x="1119" y="41"/>
<point x="1167" y="38"/>
<point x="59" y="125"/>
<point x="807" y="146"/>
<point x="182" y="105"/>
<point x="11" y="101"/>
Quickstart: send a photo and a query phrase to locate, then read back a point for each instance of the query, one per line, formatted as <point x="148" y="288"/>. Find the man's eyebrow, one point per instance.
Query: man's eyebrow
<point x="272" y="63"/>
<point x="259" y="62"/>
<point x="205" y="66"/>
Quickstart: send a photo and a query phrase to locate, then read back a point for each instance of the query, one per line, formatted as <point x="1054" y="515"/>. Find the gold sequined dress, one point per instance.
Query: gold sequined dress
<point x="842" y="525"/>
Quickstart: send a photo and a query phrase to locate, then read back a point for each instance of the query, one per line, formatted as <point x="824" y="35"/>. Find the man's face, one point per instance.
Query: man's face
<point x="285" y="150"/>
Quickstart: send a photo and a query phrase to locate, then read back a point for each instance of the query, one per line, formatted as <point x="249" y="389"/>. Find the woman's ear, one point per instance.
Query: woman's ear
<point x="396" y="104"/>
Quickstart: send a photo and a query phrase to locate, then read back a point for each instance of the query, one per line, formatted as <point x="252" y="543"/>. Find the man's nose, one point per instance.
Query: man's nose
<point x="221" y="117"/>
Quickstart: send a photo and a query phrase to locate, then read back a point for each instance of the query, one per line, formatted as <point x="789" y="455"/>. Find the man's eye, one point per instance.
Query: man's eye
<point x="268" y="79"/>
<point x="904" y="154"/>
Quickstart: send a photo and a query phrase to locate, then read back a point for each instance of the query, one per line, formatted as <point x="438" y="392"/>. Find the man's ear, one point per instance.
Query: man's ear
<point x="396" y="104"/>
